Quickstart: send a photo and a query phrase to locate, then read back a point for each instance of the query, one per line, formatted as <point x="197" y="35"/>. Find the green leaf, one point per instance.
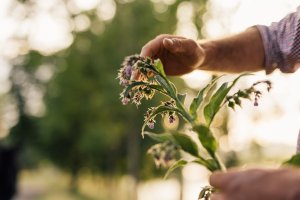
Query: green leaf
<point x="206" y="138"/>
<point x="160" y="68"/>
<point x="213" y="165"/>
<point x="179" y="163"/>
<point x="213" y="106"/>
<point x="210" y="164"/>
<point x="158" y="88"/>
<point x="200" y="97"/>
<point x="181" y="97"/>
<point x="166" y="85"/>
<point x="216" y="100"/>
<point x="186" y="143"/>
<point x="294" y="161"/>
<point x="159" y="110"/>
<point x="196" y="102"/>
<point x="160" y="137"/>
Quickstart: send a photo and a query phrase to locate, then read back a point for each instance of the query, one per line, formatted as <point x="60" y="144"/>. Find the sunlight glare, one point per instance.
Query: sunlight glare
<point x="185" y="26"/>
<point x="196" y="79"/>
<point x="81" y="23"/>
<point x="49" y="34"/>
<point x="106" y="10"/>
<point x="86" y="4"/>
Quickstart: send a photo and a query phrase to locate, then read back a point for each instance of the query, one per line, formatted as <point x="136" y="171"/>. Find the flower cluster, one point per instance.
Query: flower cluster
<point x="135" y="76"/>
<point x="164" y="154"/>
<point x="235" y="99"/>
<point x="149" y="118"/>
<point x="171" y="114"/>
<point x="150" y="115"/>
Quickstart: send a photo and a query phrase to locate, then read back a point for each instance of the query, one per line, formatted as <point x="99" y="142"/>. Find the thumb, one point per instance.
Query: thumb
<point x="176" y="45"/>
<point x="220" y="179"/>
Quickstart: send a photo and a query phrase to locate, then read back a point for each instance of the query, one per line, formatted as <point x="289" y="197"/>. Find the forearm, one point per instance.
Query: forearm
<point x="238" y="53"/>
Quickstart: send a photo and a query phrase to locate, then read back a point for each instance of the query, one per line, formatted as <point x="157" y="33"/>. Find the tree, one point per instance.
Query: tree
<point x="85" y="125"/>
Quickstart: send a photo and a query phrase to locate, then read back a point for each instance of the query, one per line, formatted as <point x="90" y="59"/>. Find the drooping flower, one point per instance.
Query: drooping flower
<point x="125" y="100"/>
<point x="136" y="69"/>
<point x="172" y="118"/>
<point x="149" y="119"/>
<point x="164" y="154"/>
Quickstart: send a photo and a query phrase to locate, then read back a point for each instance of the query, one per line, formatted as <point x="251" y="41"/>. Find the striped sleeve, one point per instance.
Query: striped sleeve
<point x="281" y="41"/>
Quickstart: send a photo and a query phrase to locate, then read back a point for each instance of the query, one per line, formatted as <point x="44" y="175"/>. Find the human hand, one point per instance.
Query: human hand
<point x="179" y="55"/>
<point x="257" y="184"/>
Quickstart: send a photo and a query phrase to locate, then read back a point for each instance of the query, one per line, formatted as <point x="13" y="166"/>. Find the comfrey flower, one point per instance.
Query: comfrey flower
<point x="149" y="119"/>
<point x="135" y="76"/>
<point x="172" y="118"/>
<point x="164" y="154"/>
<point x="235" y="99"/>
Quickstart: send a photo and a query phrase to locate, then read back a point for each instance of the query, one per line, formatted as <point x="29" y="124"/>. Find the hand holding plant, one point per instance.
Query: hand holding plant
<point x="142" y="78"/>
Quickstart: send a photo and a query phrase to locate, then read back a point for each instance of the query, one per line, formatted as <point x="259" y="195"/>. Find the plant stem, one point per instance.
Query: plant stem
<point x="185" y="114"/>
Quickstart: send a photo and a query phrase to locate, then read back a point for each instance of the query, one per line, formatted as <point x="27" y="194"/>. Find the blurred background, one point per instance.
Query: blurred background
<point x="63" y="131"/>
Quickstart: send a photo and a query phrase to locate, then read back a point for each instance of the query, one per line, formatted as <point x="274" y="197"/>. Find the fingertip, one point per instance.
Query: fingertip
<point x="145" y="52"/>
<point x="217" y="179"/>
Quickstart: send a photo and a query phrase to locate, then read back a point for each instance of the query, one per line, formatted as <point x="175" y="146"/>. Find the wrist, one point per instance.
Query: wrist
<point x="209" y="51"/>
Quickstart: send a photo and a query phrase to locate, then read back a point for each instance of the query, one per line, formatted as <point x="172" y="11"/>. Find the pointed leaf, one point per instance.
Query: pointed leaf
<point x="132" y="85"/>
<point x="206" y="138"/>
<point x="186" y="143"/>
<point x="196" y="102"/>
<point x="206" y="91"/>
<point x="210" y="164"/>
<point x="213" y="106"/>
<point x="166" y="85"/>
<point x="181" y="97"/>
<point x="160" y="68"/>
<point x="158" y="88"/>
<point x="179" y="163"/>
<point x="160" y="137"/>
<point x="216" y="100"/>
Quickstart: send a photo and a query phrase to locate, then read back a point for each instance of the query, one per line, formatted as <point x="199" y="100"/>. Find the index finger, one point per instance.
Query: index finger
<point x="153" y="47"/>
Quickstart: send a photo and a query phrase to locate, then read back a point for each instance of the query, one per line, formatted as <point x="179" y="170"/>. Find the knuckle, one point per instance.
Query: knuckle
<point x="177" y="43"/>
<point x="162" y="36"/>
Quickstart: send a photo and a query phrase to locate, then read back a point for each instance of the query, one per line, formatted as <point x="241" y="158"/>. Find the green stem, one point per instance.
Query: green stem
<point x="190" y="119"/>
<point x="215" y="156"/>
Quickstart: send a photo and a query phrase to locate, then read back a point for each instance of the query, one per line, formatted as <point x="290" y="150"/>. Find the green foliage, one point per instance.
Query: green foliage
<point x="203" y="94"/>
<point x="84" y="126"/>
<point x="177" y="164"/>
<point x="158" y="110"/>
<point x="160" y="68"/>
<point x="293" y="161"/>
<point x="206" y="138"/>
<point x="211" y="109"/>
<point x="160" y="137"/>
<point x="186" y="143"/>
<point x="210" y="97"/>
<point x="217" y="99"/>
